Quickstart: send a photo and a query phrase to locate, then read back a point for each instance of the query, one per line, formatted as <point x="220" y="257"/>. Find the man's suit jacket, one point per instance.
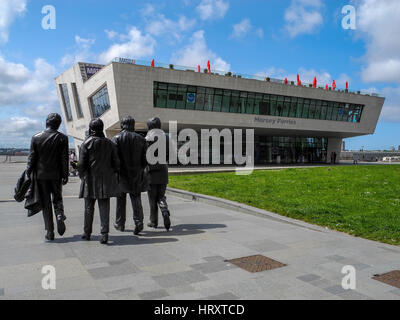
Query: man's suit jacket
<point x="131" y="149"/>
<point x="98" y="168"/>
<point x="49" y="155"/>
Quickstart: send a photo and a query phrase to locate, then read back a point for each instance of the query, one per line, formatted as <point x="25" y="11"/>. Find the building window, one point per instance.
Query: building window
<point x="290" y="149"/>
<point x="77" y="101"/>
<point x="169" y="95"/>
<point x="100" y="102"/>
<point x="66" y="101"/>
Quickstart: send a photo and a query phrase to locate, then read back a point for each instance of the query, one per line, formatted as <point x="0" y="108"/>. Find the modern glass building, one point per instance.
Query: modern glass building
<point x="292" y="124"/>
<point x="178" y="96"/>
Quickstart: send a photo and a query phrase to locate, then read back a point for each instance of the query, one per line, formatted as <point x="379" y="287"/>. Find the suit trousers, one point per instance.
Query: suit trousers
<point x="137" y="208"/>
<point x="156" y="195"/>
<point x="104" y="208"/>
<point x="50" y="192"/>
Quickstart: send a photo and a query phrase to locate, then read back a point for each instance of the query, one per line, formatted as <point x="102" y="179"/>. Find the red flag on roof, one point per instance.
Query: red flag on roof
<point x="347" y="85"/>
<point x="333" y="85"/>
<point x="298" y="80"/>
<point x="314" y="82"/>
<point x="152" y="63"/>
<point x="209" y="66"/>
<point x="285" y="80"/>
<point x="198" y="68"/>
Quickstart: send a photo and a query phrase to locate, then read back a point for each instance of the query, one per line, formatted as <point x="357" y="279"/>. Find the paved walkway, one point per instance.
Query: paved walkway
<point x="187" y="262"/>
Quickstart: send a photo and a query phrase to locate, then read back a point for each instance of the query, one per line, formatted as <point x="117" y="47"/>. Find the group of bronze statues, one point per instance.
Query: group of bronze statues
<point x="107" y="168"/>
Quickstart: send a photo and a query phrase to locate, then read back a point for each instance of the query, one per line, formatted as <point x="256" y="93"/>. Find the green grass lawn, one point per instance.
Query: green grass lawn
<point x="361" y="200"/>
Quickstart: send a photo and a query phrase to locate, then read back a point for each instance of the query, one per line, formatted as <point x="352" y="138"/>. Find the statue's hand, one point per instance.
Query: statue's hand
<point x="65" y="181"/>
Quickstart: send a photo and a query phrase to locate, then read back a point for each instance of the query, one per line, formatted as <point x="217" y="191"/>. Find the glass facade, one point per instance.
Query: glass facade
<point x="278" y="149"/>
<point x="273" y="149"/>
<point x="100" y="102"/>
<point x="77" y="101"/>
<point x="66" y="101"/>
<point x="179" y="96"/>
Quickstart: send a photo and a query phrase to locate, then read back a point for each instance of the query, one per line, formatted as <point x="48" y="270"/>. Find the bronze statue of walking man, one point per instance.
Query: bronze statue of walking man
<point x="48" y="161"/>
<point x="98" y="167"/>
<point x="131" y="148"/>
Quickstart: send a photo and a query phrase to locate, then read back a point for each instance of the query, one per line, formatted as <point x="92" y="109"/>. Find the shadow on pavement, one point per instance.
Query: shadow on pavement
<point x="116" y="240"/>
<point x="136" y="240"/>
<point x="146" y="237"/>
<point x="182" y="229"/>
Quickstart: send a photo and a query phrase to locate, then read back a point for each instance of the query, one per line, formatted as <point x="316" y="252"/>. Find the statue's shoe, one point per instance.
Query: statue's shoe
<point x="60" y="225"/>
<point x="104" y="239"/>
<point x="49" y="236"/>
<point x="119" y="227"/>
<point x="138" y="229"/>
<point x="152" y="225"/>
<point x="167" y="220"/>
<point x="86" y="237"/>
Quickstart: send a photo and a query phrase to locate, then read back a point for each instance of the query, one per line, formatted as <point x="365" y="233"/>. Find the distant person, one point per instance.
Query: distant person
<point x="73" y="163"/>
<point x="98" y="166"/>
<point x="48" y="160"/>
<point x="72" y="156"/>
<point x="334" y="157"/>
<point x="355" y="158"/>
<point x="8" y="156"/>
<point x="158" y="180"/>
<point x="131" y="149"/>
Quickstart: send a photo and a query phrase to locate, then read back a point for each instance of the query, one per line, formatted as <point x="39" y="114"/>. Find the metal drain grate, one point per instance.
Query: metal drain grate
<point x="256" y="263"/>
<point x="391" y="278"/>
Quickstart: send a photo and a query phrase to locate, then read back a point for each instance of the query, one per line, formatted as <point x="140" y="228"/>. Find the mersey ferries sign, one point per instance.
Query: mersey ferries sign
<point x="278" y="121"/>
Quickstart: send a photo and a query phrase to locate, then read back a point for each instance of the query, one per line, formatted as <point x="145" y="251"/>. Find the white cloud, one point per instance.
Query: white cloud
<point x="17" y="131"/>
<point x="9" y="10"/>
<point x="160" y="25"/>
<point x="382" y="71"/>
<point x="111" y="34"/>
<point x="241" y="29"/>
<point x="147" y="10"/>
<point x="212" y="9"/>
<point x="12" y="72"/>
<point x="303" y="17"/>
<point x="391" y="108"/>
<point x="18" y="85"/>
<point x="379" y="22"/>
<point x="157" y="24"/>
<point x="41" y="111"/>
<point x="133" y="45"/>
<point x="197" y="53"/>
<point x="84" y="42"/>
<point x="29" y="91"/>
<point x="245" y="27"/>
<point x="82" y="52"/>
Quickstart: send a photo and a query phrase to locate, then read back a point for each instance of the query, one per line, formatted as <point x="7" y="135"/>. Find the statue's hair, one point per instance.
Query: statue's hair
<point x="128" y="123"/>
<point x="53" y="121"/>
<point x="154" y="123"/>
<point x="96" y="125"/>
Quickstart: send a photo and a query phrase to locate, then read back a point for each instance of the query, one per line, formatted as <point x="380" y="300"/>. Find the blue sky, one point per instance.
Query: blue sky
<point x="278" y="38"/>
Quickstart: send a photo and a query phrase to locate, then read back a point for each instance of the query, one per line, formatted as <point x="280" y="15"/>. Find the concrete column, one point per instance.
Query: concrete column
<point x="334" y="145"/>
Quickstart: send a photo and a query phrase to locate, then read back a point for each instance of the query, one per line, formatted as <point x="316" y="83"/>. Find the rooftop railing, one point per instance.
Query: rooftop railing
<point x="232" y="74"/>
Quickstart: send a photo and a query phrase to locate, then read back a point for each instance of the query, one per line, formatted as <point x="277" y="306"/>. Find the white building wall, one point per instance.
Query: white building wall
<point x="135" y="96"/>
